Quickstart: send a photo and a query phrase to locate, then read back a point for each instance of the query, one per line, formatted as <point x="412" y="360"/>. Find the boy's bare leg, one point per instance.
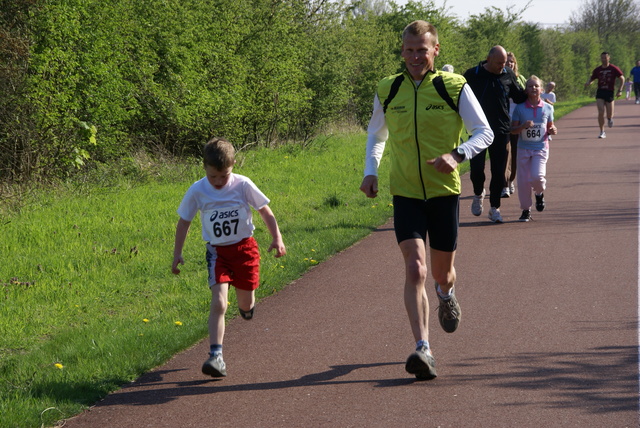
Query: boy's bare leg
<point x="215" y="366"/>
<point x="246" y="302"/>
<point x="219" y="302"/>
<point x="246" y="299"/>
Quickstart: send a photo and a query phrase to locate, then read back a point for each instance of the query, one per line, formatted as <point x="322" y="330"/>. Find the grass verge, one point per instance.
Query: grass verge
<point x="88" y="300"/>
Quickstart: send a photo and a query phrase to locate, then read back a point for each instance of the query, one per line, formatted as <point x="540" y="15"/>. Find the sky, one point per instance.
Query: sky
<point x="544" y="12"/>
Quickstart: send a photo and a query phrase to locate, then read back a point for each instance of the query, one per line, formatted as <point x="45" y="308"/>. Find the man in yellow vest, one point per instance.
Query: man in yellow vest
<point x="422" y="113"/>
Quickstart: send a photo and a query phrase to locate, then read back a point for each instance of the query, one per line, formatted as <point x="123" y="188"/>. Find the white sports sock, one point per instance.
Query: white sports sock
<point x="421" y="343"/>
<point x="445" y="296"/>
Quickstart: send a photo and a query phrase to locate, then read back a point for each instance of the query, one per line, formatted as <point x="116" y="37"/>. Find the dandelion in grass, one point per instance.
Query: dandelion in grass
<point x="178" y="323"/>
<point x="145" y="320"/>
<point x="313" y="262"/>
<point x="59" y="366"/>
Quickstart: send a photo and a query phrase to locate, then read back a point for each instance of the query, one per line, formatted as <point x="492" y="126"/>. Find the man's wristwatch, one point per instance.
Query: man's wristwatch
<point x="458" y="154"/>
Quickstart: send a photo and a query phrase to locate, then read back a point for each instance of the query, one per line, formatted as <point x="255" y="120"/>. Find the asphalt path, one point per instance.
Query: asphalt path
<point x="548" y="337"/>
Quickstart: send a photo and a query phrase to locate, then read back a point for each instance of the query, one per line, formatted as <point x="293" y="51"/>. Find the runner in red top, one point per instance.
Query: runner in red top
<point x="606" y="74"/>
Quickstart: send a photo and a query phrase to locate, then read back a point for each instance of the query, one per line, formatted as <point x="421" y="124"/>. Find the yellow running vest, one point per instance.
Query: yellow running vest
<point x="422" y="126"/>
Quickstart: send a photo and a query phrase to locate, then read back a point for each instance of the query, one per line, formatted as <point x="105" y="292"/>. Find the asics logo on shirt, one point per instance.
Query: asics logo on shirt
<point x="223" y="214"/>
<point x="434" y="107"/>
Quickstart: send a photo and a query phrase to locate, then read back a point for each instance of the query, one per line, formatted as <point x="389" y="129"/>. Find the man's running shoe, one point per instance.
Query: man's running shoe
<point x="476" y="205"/>
<point x="495" y="216"/>
<point x="215" y="366"/>
<point x="512" y="188"/>
<point x="610" y="123"/>
<point x="602" y="135"/>
<point x="421" y="364"/>
<point x="526" y="216"/>
<point x="505" y="193"/>
<point x="449" y="313"/>
<point x="540" y="202"/>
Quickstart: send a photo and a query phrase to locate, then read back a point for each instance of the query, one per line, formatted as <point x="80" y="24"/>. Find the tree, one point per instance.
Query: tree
<point x="559" y="66"/>
<point x="489" y="28"/>
<point x="365" y="7"/>
<point x="607" y="17"/>
<point x="15" y="147"/>
<point x="585" y="56"/>
<point x="531" y="54"/>
<point x="617" y="24"/>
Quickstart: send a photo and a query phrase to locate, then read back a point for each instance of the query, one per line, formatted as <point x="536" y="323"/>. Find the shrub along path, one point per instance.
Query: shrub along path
<point x="549" y="334"/>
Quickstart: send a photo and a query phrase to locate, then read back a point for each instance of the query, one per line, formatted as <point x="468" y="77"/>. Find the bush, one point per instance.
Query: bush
<point x="85" y="82"/>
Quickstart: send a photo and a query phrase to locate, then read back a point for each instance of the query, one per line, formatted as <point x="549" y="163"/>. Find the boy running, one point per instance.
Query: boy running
<point x="225" y="200"/>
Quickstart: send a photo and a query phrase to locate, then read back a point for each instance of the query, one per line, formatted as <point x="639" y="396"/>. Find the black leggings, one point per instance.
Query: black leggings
<point x="498" y="161"/>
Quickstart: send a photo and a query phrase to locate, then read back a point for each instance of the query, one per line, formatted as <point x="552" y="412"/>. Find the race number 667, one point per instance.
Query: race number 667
<point x="224" y="228"/>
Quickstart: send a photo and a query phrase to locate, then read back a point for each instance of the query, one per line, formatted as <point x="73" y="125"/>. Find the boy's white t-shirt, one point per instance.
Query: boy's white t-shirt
<point x="225" y="214"/>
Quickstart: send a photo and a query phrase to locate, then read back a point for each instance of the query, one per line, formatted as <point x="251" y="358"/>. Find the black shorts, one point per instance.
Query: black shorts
<point x="604" y="94"/>
<point x="437" y="217"/>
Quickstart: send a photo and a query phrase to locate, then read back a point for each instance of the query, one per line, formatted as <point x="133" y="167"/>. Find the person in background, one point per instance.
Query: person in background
<point x="548" y="95"/>
<point x="533" y="120"/>
<point x="415" y="113"/>
<point x="493" y="84"/>
<point x="606" y="75"/>
<point x="635" y="76"/>
<point x="512" y="147"/>
<point x="627" y="89"/>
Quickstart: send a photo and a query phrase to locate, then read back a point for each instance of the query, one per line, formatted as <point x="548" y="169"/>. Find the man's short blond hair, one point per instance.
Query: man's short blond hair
<point x="419" y="28"/>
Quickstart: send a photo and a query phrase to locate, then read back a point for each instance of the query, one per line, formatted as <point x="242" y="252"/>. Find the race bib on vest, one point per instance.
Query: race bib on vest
<point x="535" y="134"/>
<point x="227" y="225"/>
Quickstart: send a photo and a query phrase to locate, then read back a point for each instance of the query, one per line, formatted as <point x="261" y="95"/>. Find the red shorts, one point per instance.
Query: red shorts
<point x="237" y="264"/>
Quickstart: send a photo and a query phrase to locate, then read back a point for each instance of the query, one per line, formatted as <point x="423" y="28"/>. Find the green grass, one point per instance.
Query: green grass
<point x="565" y="107"/>
<point x="86" y="281"/>
<point x="86" y="265"/>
